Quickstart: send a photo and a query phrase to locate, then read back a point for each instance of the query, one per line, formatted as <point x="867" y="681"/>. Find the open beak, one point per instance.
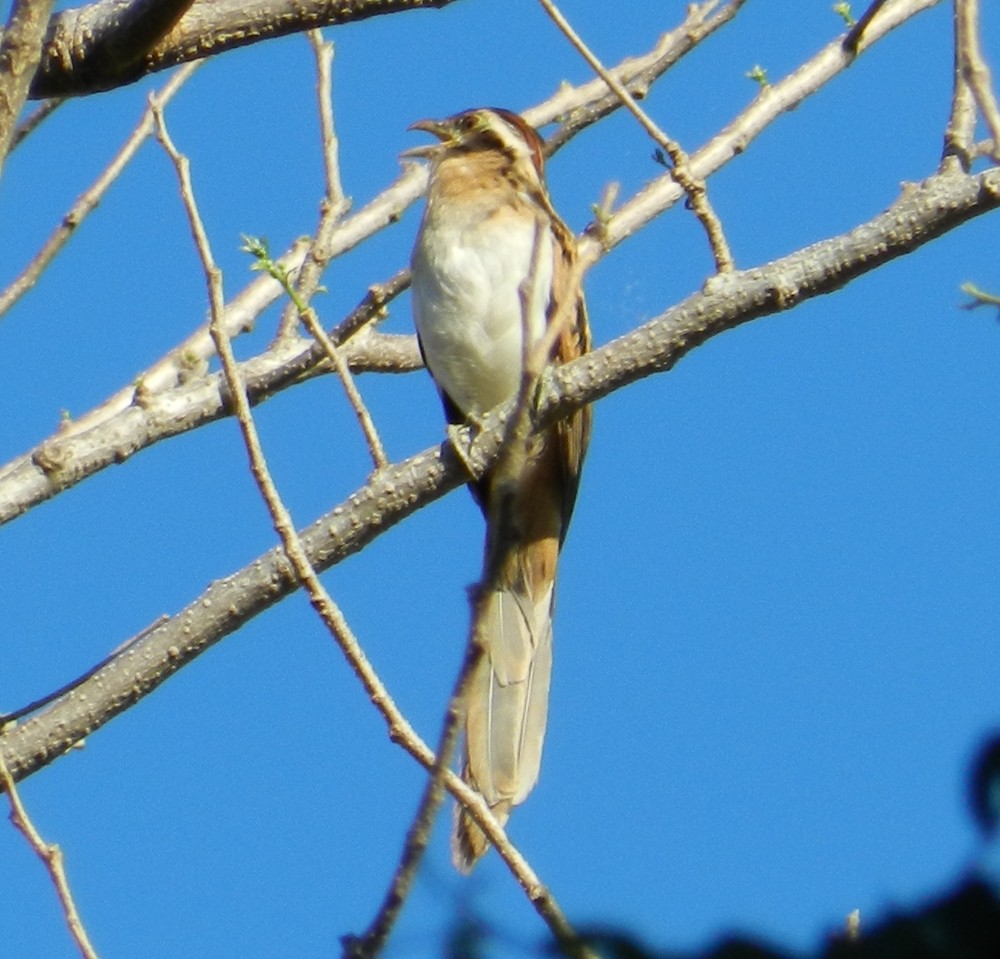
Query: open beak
<point x="436" y="128"/>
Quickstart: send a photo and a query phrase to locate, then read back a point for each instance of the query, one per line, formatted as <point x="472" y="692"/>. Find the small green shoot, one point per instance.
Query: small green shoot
<point x="759" y="75"/>
<point x="844" y="10"/>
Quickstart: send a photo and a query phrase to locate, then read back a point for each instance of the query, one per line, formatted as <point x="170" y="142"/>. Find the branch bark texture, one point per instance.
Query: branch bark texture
<point x="105" y="45"/>
<point x="20" y="52"/>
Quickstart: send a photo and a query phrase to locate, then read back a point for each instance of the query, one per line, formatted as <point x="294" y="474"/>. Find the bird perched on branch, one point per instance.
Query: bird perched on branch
<point x="494" y="273"/>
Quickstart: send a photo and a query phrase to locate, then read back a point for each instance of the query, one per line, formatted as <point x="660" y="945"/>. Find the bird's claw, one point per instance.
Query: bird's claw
<point x="459" y="440"/>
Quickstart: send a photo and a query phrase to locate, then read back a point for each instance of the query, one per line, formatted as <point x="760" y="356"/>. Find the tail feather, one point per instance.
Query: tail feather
<point x="469" y="843"/>
<point x="506" y="707"/>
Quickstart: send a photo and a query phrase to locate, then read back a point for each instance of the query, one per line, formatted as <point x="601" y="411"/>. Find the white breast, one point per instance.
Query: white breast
<point x="470" y="277"/>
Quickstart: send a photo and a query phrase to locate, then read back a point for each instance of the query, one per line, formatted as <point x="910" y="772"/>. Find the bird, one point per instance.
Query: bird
<point x="493" y="267"/>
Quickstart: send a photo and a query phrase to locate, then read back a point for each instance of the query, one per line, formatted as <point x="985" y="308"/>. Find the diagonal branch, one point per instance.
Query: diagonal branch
<point x="307" y="315"/>
<point x="334" y="204"/>
<point x="853" y="40"/>
<point x="637" y="73"/>
<point x="770" y="103"/>
<point x="91" y="197"/>
<point x="681" y="171"/>
<point x="34" y="120"/>
<point x="52" y="858"/>
<point x="923" y="212"/>
<point x="370" y="943"/>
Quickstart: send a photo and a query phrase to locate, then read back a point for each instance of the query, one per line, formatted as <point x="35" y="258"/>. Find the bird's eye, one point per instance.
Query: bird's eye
<point x="468" y="123"/>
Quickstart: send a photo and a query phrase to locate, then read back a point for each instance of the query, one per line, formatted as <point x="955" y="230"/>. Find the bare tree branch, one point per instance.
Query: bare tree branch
<point x="637" y="73"/>
<point x="31" y="123"/>
<point x="373" y="940"/>
<point x="979" y="297"/>
<point x="771" y="102"/>
<point x="88" y="200"/>
<point x="852" y="41"/>
<point x="94" y="48"/>
<point x="144" y="418"/>
<point x="20" y="53"/>
<point x="681" y="172"/>
<point x="312" y="323"/>
<point x="974" y="69"/>
<point x="51" y="857"/>
<point x="129" y="30"/>
<point x="960" y="132"/>
<point x="334" y="204"/>
<point x="940" y="204"/>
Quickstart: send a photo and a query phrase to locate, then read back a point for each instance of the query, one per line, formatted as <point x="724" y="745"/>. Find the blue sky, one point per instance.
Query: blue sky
<point x="778" y="604"/>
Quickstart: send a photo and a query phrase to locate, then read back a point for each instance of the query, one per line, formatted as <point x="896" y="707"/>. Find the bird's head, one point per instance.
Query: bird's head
<point x="486" y="128"/>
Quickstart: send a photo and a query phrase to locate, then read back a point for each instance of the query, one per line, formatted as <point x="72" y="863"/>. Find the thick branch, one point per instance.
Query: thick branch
<point x="20" y="51"/>
<point x="97" y="48"/>
<point x="923" y="212"/>
<point x="143" y="419"/>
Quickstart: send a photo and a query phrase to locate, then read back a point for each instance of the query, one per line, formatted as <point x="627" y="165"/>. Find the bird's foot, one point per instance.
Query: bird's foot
<point x="458" y="437"/>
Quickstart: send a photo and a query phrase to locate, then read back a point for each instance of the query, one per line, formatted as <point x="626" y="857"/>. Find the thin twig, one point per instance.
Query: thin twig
<point x="323" y="51"/>
<point x="92" y="196"/>
<point x="681" y="169"/>
<point x="979" y="296"/>
<point x="637" y="73"/>
<point x="52" y="857"/>
<point x="333" y="207"/>
<point x="780" y="97"/>
<point x="974" y="69"/>
<point x="374" y="938"/>
<point x="334" y="204"/>
<point x="959" y="134"/>
<point x="31" y="123"/>
<point x="307" y="315"/>
<point x="372" y="307"/>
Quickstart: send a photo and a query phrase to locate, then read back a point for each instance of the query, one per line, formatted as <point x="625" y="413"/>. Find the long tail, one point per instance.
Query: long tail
<point x="508" y="694"/>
